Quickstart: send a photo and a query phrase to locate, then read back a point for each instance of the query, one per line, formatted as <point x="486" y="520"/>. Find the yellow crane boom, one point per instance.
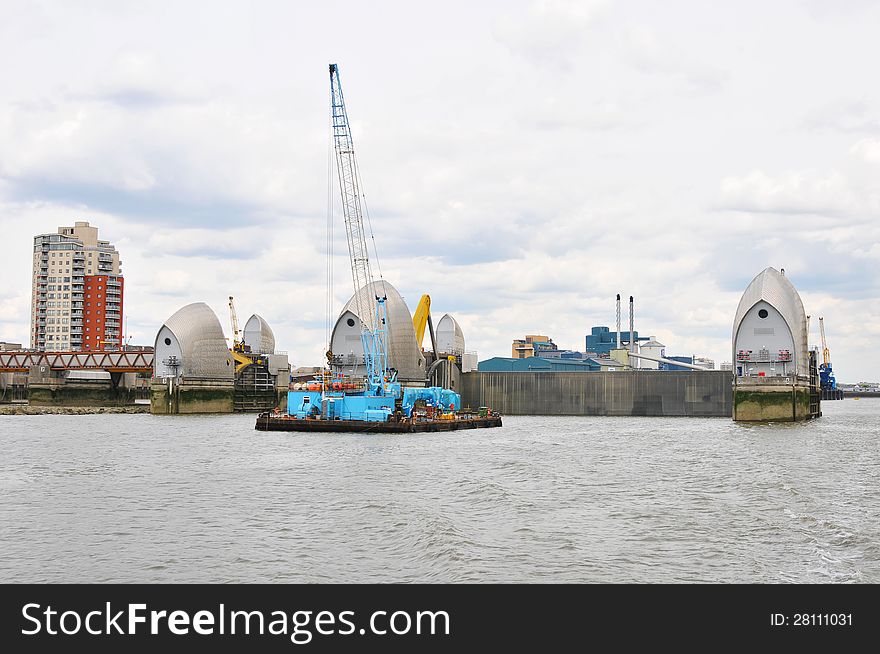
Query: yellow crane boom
<point x="420" y="317"/>
<point x="826" y="355"/>
<point x="234" y="319"/>
<point x="241" y="361"/>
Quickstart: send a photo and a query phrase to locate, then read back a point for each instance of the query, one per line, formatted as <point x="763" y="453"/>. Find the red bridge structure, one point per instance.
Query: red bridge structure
<point x="112" y="362"/>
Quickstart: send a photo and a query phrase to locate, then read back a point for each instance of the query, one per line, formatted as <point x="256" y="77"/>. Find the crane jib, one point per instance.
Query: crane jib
<point x="370" y="312"/>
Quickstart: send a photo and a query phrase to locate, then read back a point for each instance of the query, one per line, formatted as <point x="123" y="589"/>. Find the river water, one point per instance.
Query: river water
<point x="140" y="498"/>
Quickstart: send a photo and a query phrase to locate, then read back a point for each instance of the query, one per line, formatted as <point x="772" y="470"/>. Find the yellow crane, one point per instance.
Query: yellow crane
<point x="826" y="354"/>
<point x="422" y="317"/>
<point x="241" y="361"/>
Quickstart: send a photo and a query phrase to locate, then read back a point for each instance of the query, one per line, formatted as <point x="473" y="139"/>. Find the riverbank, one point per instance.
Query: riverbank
<point x="27" y="410"/>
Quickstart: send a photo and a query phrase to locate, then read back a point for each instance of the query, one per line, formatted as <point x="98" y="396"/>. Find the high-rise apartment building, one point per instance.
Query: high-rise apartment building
<point x="77" y="291"/>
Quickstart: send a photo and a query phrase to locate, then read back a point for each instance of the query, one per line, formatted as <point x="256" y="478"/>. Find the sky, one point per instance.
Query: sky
<point x="522" y="162"/>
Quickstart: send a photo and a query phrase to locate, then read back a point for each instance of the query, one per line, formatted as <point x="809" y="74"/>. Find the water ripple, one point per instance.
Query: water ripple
<point x="137" y="498"/>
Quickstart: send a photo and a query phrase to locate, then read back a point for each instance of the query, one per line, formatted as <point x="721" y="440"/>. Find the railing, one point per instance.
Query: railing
<point x="125" y="361"/>
<point x="763" y="356"/>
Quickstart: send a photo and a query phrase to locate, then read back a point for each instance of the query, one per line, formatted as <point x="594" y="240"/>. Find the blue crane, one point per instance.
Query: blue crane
<point x="371" y="310"/>
<point x="826" y="374"/>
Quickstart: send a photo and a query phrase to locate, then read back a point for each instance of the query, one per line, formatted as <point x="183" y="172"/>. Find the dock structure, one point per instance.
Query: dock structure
<point x="775" y="373"/>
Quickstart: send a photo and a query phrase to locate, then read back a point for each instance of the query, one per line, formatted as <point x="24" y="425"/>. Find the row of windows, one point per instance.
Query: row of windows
<point x="67" y="254"/>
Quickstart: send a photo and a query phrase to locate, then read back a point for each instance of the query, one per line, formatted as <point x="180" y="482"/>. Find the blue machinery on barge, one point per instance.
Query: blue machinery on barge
<point x="377" y="402"/>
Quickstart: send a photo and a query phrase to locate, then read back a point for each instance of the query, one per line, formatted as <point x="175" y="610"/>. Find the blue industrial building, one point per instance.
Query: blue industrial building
<point x="602" y="340"/>
<point x="536" y="364"/>
<point x="669" y="366"/>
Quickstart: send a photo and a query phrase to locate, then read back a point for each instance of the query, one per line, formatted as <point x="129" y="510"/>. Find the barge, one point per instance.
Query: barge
<point x="333" y="402"/>
<point x="270" y="422"/>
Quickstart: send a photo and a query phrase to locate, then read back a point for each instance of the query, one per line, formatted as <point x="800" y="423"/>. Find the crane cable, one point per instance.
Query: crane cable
<point x="370" y="226"/>
<point x="328" y="307"/>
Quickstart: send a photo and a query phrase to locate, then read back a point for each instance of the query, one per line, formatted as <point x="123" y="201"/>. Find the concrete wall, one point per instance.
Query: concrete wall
<point x="621" y="393"/>
<point x="192" y="396"/>
<point x="79" y="394"/>
<point x="763" y="402"/>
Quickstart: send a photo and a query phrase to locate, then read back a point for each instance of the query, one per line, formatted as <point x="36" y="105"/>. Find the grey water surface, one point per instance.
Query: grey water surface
<point x="140" y="498"/>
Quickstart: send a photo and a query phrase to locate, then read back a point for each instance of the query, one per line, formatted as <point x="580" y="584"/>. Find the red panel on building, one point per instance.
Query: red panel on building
<point x="102" y="304"/>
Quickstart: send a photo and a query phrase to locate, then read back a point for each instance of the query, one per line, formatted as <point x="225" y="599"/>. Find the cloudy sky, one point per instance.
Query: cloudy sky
<point x="523" y="162"/>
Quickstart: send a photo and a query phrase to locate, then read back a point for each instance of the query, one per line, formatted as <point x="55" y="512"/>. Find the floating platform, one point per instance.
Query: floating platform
<point x="832" y="394"/>
<point x="269" y="422"/>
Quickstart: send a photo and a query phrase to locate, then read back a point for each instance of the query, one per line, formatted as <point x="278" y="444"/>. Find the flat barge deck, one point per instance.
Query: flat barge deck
<point x="269" y="422"/>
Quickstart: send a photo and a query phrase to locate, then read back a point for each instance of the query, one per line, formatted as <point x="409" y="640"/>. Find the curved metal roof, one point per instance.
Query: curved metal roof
<point x="450" y="338"/>
<point x="203" y="347"/>
<point x="403" y="351"/>
<point x="259" y="335"/>
<point x="773" y="287"/>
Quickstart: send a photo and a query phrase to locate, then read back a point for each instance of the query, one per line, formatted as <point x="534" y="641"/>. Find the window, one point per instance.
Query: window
<point x="762" y="313"/>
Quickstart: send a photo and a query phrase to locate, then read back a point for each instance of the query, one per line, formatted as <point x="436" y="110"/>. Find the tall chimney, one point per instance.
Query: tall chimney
<point x="618" y="321"/>
<point x="631" y="329"/>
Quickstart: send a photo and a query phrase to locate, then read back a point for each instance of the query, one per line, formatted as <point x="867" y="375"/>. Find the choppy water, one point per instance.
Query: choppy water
<point x="135" y="498"/>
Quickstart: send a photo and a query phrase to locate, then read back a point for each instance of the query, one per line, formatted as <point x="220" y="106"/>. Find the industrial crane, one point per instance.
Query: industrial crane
<point x="826" y="374"/>
<point x="234" y="320"/>
<point x="422" y="319"/>
<point x="380" y="397"/>
<point x="371" y="313"/>
<point x="241" y="361"/>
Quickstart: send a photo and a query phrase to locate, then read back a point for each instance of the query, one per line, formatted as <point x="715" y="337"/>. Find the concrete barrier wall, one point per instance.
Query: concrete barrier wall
<point x="80" y="394"/>
<point x="626" y="393"/>
<point x="192" y="396"/>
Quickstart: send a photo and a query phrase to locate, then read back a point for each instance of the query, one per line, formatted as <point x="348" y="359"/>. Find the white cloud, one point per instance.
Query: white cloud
<point x="523" y="162"/>
<point x="644" y="51"/>
<point x="792" y="193"/>
<point x="550" y="32"/>
<point x="868" y="149"/>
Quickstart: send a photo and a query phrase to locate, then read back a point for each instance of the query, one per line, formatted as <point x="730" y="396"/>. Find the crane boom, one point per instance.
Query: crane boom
<point x="420" y="318"/>
<point x="349" y="187"/>
<point x="826" y="354"/>
<point x="370" y="312"/>
<point x="234" y="319"/>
